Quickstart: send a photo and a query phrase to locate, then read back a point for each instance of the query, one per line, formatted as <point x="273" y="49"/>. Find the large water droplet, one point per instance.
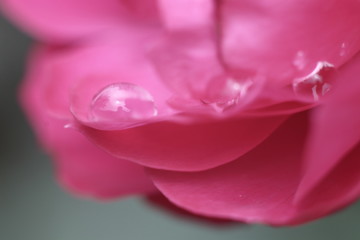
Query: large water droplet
<point x="315" y="85"/>
<point x="122" y="102"/>
<point x="229" y="94"/>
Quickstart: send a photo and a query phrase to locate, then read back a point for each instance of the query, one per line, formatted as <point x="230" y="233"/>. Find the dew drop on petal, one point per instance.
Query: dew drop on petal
<point x="343" y="49"/>
<point x="315" y="85"/>
<point x="69" y="125"/>
<point x="230" y="94"/>
<point x="300" y="61"/>
<point x="122" y="102"/>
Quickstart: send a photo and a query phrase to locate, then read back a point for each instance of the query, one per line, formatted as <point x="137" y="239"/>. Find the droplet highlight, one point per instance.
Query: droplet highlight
<point x="69" y="126"/>
<point x="229" y="94"/>
<point x="315" y="85"/>
<point x="300" y="60"/>
<point x="343" y="49"/>
<point x="122" y="102"/>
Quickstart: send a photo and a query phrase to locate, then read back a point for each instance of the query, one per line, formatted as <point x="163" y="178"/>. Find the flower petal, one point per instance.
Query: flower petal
<point x="64" y="20"/>
<point x="257" y="187"/>
<point x="186" y="147"/>
<point x="340" y="187"/>
<point x="284" y="40"/>
<point x="82" y="167"/>
<point x="335" y="128"/>
<point x="89" y="171"/>
<point x="176" y="13"/>
<point x="72" y="76"/>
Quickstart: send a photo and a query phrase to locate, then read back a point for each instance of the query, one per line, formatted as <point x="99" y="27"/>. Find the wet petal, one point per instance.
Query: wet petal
<point x="82" y="167"/>
<point x="335" y="128"/>
<point x="255" y="36"/>
<point x="73" y="76"/>
<point x="125" y="67"/>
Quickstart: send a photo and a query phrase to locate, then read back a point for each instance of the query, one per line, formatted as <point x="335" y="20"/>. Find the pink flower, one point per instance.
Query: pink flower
<point x="244" y="110"/>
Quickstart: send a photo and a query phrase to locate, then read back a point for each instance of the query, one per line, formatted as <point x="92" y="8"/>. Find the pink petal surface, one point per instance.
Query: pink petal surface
<point x="89" y="171"/>
<point x="81" y="166"/>
<point x="187" y="67"/>
<point x="187" y="61"/>
<point x="340" y="187"/>
<point x="64" y="20"/>
<point x="246" y="41"/>
<point x="335" y="128"/>
<point x="75" y="74"/>
<point x="184" y="14"/>
<point x="259" y="186"/>
<point x="82" y="72"/>
<point x="185" y="147"/>
<point x="140" y="10"/>
<point x="286" y="39"/>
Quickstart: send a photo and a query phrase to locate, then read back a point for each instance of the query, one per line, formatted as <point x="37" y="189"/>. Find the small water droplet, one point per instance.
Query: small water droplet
<point x="69" y="125"/>
<point x="300" y="61"/>
<point x="343" y="49"/>
<point x="316" y="84"/>
<point x="122" y="102"/>
<point x="232" y="92"/>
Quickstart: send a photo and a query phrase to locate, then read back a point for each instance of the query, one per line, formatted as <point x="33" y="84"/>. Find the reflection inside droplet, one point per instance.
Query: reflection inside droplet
<point x="315" y="85"/>
<point x="122" y="102"/>
<point x="229" y="94"/>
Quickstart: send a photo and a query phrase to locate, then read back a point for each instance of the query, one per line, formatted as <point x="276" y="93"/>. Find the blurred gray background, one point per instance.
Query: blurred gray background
<point x="33" y="207"/>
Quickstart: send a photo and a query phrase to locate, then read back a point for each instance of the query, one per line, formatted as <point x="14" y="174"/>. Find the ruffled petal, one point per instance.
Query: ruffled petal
<point x="335" y="128"/>
<point x="64" y="20"/>
<point x="81" y="166"/>
<point x="258" y="187"/>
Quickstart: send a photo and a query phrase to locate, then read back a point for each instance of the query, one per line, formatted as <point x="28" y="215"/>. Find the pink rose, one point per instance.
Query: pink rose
<point x="244" y="110"/>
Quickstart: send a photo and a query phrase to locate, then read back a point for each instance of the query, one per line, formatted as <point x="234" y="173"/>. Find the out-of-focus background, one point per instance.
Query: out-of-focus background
<point x="34" y="207"/>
